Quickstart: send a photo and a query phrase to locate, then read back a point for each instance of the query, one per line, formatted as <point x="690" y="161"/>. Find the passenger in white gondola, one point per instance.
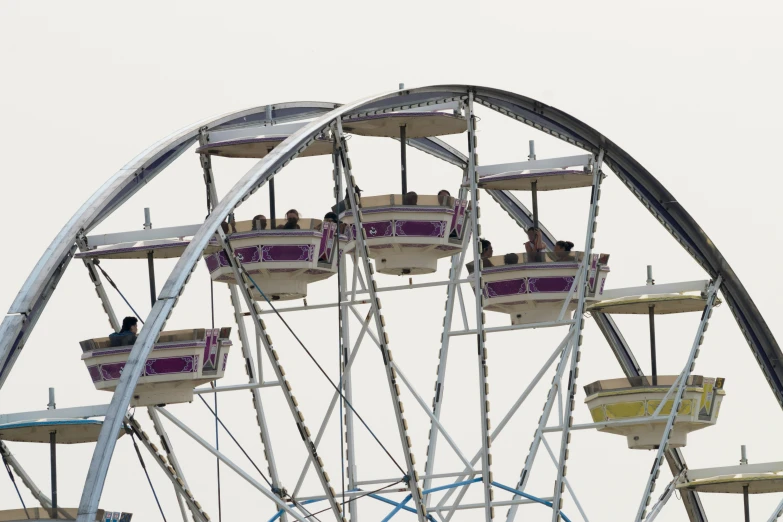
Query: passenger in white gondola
<point x="291" y="220"/>
<point x="535" y="245"/>
<point x="127" y="335"/>
<point x="563" y="251"/>
<point x="511" y="259"/>
<point x="410" y="198"/>
<point x="259" y="222"/>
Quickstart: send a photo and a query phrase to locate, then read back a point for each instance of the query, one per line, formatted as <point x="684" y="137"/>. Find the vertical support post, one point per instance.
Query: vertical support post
<point x="745" y="499"/>
<point x="391" y="378"/>
<point x="486" y="457"/>
<point x="679" y="386"/>
<point x="404" y="158"/>
<point x="534" y="185"/>
<point x="272" y="219"/>
<point x="150" y="260"/>
<point x="253" y="377"/>
<point x="579" y="324"/>
<point x="53" y="456"/>
<point x="653" y="356"/>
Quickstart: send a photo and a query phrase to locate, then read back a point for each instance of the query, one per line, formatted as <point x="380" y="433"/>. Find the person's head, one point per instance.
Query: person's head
<point x="330" y="216"/>
<point x="511" y="259"/>
<point x="259" y="222"/>
<point x="292" y="215"/>
<point x="444" y="192"/>
<point x="129" y="324"/>
<point x="563" y="246"/>
<point x="486" y="248"/>
<point x="410" y="198"/>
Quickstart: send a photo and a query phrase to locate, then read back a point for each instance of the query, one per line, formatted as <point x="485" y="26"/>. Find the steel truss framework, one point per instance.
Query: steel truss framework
<point x="325" y="117"/>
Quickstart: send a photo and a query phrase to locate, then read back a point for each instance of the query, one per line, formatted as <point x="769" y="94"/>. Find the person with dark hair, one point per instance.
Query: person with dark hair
<point x="563" y="246"/>
<point x="329" y="217"/>
<point x="511" y="259"/>
<point x="259" y="222"/>
<point x="127" y="335"/>
<point x="291" y="220"/>
<point x="346" y="203"/>
<point x="562" y="250"/>
<point x="444" y="198"/>
<point x="486" y="252"/>
<point x="534" y="245"/>
<point x="410" y="198"/>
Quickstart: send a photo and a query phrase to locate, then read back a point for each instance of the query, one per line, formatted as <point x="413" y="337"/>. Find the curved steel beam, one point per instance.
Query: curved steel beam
<point x="32" y="298"/>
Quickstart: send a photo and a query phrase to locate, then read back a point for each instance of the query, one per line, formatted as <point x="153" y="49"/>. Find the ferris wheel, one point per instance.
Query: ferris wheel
<point x="271" y="260"/>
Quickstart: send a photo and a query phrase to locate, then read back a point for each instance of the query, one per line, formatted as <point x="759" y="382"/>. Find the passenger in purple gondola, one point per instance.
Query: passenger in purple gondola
<point x="563" y="251"/>
<point x="259" y="222"/>
<point x="127" y="334"/>
<point x="329" y="217"/>
<point x="346" y="203"/>
<point x="444" y="198"/>
<point x="291" y="220"/>
<point x="410" y="198"/>
<point x="511" y="259"/>
<point x="535" y="245"/>
<point x="486" y="253"/>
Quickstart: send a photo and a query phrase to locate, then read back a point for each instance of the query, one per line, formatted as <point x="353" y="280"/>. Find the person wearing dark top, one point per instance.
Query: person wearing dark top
<point x="291" y="220"/>
<point x="511" y="259"/>
<point x="346" y="203"/>
<point x="127" y="335"/>
<point x="410" y="198"/>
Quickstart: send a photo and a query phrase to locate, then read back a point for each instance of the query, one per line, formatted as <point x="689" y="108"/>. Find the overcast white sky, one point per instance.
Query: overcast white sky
<point x="691" y="90"/>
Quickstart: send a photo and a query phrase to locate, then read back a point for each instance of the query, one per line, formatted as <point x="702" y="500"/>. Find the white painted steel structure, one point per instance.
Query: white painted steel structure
<point x="303" y="122"/>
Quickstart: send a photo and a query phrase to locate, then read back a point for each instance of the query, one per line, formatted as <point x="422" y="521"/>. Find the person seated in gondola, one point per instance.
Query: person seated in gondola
<point x="259" y="222"/>
<point x="127" y="334"/>
<point x="563" y="251"/>
<point x="486" y="253"/>
<point x="291" y="220"/>
<point x="229" y="226"/>
<point x="410" y="198"/>
<point x="535" y="245"/>
<point x="346" y="203"/>
<point x="444" y="198"/>
<point x="511" y="259"/>
<point x="329" y="217"/>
